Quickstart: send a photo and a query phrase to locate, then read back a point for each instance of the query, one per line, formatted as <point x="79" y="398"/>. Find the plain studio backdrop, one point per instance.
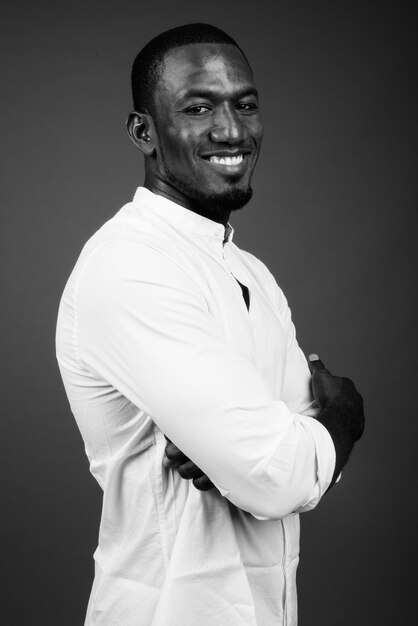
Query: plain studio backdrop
<point x="333" y="215"/>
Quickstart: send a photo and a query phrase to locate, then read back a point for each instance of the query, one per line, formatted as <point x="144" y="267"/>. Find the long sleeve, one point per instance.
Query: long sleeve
<point x="296" y="391"/>
<point x="144" y="326"/>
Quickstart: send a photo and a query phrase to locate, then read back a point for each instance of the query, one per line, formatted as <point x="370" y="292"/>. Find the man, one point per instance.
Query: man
<point x="180" y="361"/>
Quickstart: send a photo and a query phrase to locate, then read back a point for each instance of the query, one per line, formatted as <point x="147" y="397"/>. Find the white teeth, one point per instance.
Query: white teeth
<point x="232" y="160"/>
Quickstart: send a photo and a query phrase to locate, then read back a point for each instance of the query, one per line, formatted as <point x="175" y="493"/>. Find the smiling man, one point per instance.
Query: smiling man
<point x="199" y="414"/>
<point x="204" y="130"/>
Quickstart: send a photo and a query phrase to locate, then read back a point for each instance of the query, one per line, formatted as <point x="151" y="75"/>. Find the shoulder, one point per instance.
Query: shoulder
<point x="120" y="265"/>
<point x="127" y="245"/>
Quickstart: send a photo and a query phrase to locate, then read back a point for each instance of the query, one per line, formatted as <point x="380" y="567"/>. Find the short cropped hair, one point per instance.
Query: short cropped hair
<point x="148" y="64"/>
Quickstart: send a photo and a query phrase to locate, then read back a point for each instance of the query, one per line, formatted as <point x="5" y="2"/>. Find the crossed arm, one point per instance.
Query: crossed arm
<point x="145" y="328"/>
<point x="341" y="412"/>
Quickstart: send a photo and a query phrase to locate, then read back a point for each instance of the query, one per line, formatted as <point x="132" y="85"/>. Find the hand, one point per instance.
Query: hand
<point x="338" y="394"/>
<point x="186" y="468"/>
<point x="341" y="410"/>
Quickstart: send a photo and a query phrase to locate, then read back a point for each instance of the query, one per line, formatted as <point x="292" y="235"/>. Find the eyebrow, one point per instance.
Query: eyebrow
<point x="208" y="93"/>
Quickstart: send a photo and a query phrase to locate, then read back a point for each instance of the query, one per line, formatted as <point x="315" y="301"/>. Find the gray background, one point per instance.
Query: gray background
<point x="333" y="215"/>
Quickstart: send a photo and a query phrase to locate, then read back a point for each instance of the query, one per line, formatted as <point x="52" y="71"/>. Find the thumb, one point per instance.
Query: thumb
<point x="315" y="363"/>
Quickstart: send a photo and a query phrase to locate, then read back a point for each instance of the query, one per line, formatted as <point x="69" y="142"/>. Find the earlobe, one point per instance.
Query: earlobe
<point x="139" y="126"/>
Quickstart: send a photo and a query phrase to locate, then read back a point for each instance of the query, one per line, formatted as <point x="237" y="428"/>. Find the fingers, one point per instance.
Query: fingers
<point x="315" y="363"/>
<point x="174" y="456"/>
<point x="189" y="470"/>
<point x="203" y="483"/>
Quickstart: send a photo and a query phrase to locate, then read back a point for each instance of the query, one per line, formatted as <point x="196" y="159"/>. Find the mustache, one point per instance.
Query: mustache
<point x="225" y="150"/>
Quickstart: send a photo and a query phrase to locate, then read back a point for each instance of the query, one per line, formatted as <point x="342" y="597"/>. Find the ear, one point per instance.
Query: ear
<point x="141" y="130"/>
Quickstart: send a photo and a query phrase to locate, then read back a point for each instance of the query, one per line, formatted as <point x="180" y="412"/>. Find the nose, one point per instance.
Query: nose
<point x="227" y="126"/>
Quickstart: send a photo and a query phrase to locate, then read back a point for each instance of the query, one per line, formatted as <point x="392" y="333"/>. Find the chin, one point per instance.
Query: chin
<point x="218" y="203"/>
<point x="211" y="202"/>
<point x="221" y="202"/>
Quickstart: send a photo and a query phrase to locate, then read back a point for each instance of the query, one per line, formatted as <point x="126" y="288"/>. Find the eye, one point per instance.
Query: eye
<point x="198" y="109"/>
<point x="247" y="107"/>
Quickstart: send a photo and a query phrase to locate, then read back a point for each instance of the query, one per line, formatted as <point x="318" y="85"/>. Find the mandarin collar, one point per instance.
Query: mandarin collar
<point x="183" y="218"/>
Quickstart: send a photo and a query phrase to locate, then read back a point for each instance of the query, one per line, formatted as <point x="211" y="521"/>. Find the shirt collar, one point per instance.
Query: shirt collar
<point x="183" y="218"/>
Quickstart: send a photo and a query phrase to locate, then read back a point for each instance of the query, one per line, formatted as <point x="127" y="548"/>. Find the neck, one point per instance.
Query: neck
<point x="161" y="188"/>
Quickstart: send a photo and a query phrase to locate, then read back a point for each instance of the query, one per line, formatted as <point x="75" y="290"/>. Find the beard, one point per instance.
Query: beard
<point x="215" y="205"/>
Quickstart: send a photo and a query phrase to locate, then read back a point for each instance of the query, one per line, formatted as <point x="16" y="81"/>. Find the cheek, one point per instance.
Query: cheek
<point x="258" y="133"/>
<point x="255" y="128"/>
<point x="181" y="141"/>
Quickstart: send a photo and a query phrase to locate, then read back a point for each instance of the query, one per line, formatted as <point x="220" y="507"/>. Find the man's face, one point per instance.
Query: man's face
<point x="208" y="128"/>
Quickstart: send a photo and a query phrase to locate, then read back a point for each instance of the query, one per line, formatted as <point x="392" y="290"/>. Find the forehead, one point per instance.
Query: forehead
<point x="221" y="67"/>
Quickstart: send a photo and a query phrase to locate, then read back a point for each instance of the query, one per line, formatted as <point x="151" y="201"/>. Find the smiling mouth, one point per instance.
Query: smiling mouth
<point x="230" y="163"/>
<point x="227" y="160"/>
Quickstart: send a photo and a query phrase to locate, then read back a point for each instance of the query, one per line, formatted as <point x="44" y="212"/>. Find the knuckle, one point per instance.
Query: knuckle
<point x="182" y="470"/>
<point x="187" y="470"/>
<point x="190" y="470"/>
<point x="171" y="449"/>
<point x="322" y="374"/>
<point x="202" y="483"/>
<point x="172" y="456"/>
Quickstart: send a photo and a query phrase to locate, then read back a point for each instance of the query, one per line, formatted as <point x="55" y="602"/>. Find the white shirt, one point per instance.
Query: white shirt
<point x="154" y="337"/>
